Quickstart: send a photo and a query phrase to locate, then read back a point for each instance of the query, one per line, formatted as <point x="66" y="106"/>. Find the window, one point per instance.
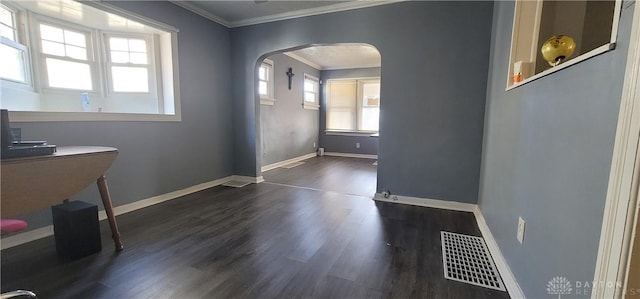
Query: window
<point x="130" y="64"/>
<point x="353" y="105"/>
<point x="265" y="83"/>
<point x="13" y="54"/>
<point x="62" y="50"/>
<point x="65" y="56"/>
<point x="370" y="111"/>
<point x="311" y="92"/>
<point x="592" y="25"/>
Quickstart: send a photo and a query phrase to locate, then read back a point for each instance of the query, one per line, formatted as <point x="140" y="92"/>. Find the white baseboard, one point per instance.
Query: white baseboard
<point x="21" y="238"/>
<point x="32" y="235"/>
<point x="349" y="155"/>
<point x="501" y="263"/>
<point x="285" y="162"/>
<point x="505" y="272"/>
<point x="248" y="179"/>
<point x="425" y="202"/>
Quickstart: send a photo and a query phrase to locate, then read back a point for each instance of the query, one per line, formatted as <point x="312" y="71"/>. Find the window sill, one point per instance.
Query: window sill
<point x="350" y="133"/>
<point x="29" y="116"/>
<point x="311" y="106"/>
<point x="583" y="57"/>
<point x="267" y="101"/>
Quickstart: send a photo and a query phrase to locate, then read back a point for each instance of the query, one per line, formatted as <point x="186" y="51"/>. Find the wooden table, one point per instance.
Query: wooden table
<point x="32" y="183"/>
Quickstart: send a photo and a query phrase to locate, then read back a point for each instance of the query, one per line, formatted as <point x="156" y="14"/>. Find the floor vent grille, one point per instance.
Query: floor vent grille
<point x="467" y="259"/>
<point x="292" y="165"/>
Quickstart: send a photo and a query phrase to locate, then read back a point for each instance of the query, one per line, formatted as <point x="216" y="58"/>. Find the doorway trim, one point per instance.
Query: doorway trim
<point x="622" y="195"/>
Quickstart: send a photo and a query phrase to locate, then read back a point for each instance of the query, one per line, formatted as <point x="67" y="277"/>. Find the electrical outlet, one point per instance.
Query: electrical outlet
<point x="314" y="145"/>
<point x="357" y="144"/>
<point x="520" y="235"/>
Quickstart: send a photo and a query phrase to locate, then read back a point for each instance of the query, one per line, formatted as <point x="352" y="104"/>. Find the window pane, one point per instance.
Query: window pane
<point x="262" y="73"/>
<point x="7" y="32"/>
<point x="262" y="88"/>
<point x="371" y="90"/>
<point x="137" y="45"/>
<point x="370" y="119"/>
<point x="74" y="38"/>
<point x="340" y="119"/>
<point x="66" y="74"/>
<point x="53" y="48"/>
<point x="118" y="44"/>
<point x="341" y="106"/>
<point x="51" y="33"/>
<point x="309" y="97"/>
<point x="119" y="57"/>
<point x="12" y="62"/>
<point x="6" y="17"/>
<point x="130" y="79"/>
<point x="76" y="52"/>
<point x="308" y="85"/>
<point x="138" y="58"/>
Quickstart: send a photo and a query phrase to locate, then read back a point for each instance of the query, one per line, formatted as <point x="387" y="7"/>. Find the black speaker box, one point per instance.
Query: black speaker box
<point x="76" y="229"/>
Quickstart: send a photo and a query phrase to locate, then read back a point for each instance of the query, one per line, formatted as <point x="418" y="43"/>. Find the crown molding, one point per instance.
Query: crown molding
<point x="304" y="60"/>
<point x="282" y="16"/>
<point x="202" y="12"/>
<point x="311" y="12"/>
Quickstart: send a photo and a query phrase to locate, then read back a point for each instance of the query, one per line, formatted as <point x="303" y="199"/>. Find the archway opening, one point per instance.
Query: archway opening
<point x="320" y="100"/>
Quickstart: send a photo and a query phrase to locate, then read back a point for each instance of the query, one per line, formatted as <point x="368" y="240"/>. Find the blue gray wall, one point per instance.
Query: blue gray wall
<point x="547" y="154"/>
<point x="159" y="157"/>
<point x="433" y="87"/>
<point x="342" y="143"/>
<point x="287" y="129"/>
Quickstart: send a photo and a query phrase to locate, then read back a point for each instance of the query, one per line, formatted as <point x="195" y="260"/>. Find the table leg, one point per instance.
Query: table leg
<point x="108" y="208"/>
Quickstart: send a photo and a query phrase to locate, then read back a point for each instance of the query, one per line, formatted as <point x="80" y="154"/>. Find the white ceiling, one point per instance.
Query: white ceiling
<point x="343" y="56"/>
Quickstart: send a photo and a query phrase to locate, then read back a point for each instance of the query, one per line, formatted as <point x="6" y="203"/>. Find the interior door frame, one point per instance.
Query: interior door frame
<point x="622" y="193"/>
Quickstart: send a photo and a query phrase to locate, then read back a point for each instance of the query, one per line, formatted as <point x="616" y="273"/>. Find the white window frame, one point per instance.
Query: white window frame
<point x="18" y="44"/>
<point x="150" y="66"/>
<point x="360" y="106"/>
<point x="165" y="45"/>
<point x="529" y="19"/>
<point x="269" y="98"/>
<point x="40" y="57"/>
<point x="358" y="82"/>
<point x="316" y="83"/>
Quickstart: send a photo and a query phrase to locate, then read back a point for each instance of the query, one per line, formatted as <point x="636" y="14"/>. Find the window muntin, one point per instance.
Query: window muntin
<point x="310" y="92"/>
<point x="311" y="87"/>
<point x="13" y="54"/>
<point x="65" y="55"/>
<point x="63" y="42"/>
<point x="8" y="26"/>
<point x="265" y="80"/>
<point x="353" y="105"/>
<point x="95" y="19"/>
<point x="370" y="111"/>
<point x="130" y="64"/>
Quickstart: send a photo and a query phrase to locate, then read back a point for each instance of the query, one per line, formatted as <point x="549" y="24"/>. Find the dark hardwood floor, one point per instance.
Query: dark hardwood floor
<point x="261" y="241"/>
<point x="339" y="174"/>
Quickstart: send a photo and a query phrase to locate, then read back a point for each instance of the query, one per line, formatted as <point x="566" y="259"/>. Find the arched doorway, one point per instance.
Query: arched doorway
<point x="320" y="98"/>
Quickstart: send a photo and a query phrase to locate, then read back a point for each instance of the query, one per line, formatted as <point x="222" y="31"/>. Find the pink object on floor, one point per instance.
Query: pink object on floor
<point x="12" y="225"/>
